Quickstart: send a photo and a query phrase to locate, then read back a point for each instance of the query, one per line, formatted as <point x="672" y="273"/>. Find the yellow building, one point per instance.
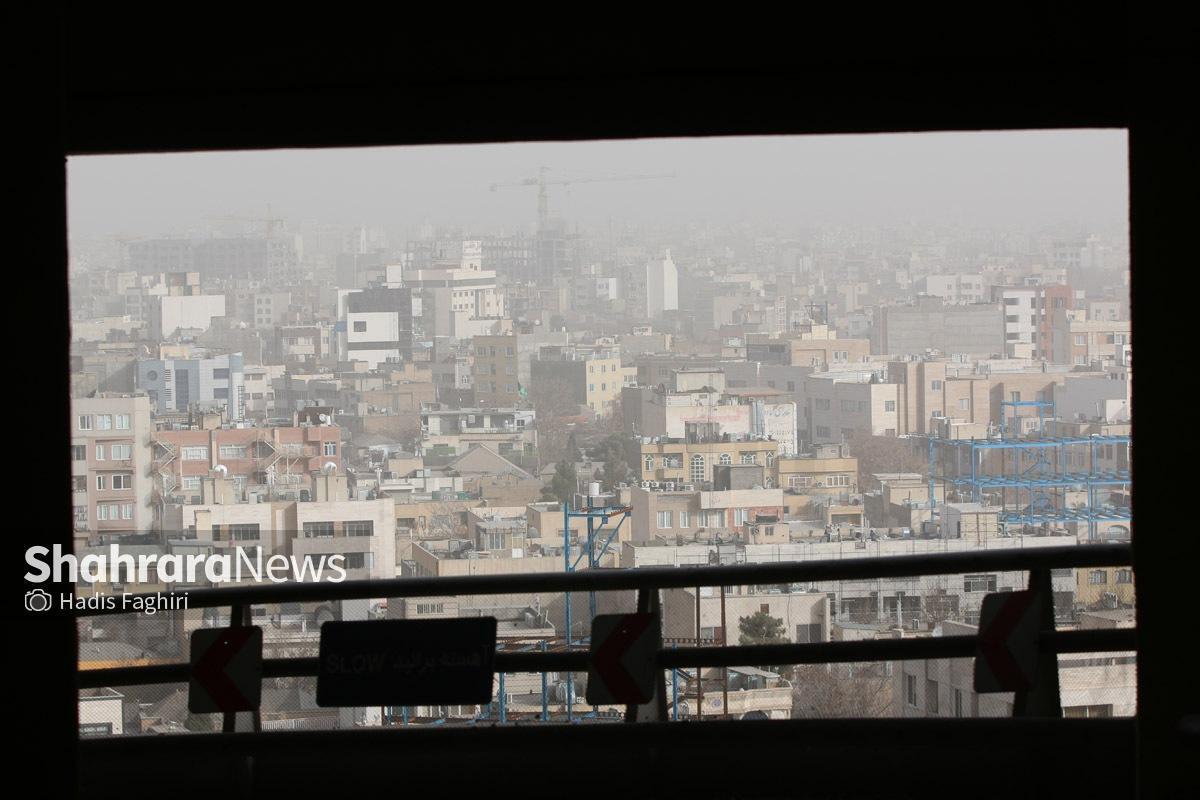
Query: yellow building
<point x="681" y="461"/>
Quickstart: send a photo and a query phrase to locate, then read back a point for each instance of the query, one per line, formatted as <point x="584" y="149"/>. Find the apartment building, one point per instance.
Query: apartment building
<point x="692" y="459"/>
<point x="378" y="324"/>
<point x="1090" y="686"/>
<point x="452" y="432"/>
<point x="1028" y="318"/>
<point x="177" y="384"/>
<point x="363" y="531"/>
<point x="259" y="460"/>
<point x="110" y="463"/>
<point x="817" y="483"/>
<point x="931" y="324"/>
<point x="956" y="289"/>
<point x="496" y="371"/>
<point x="920" y="601"/>
<point x="842" y="405"/>
<point x="674" y="512"/>
<point x="592" y="375"/>
<point x="460" y="300"/>
<point x="1084" y="342"/>
<point x="928" y="390"/>
<point x="813" y="345"/>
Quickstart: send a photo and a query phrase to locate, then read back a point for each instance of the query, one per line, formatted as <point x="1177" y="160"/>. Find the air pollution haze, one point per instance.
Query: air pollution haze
<point x="1010" y="178"/>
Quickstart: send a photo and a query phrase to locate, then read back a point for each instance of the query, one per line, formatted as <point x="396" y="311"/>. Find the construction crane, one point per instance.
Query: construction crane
<point x="541" y="182"/>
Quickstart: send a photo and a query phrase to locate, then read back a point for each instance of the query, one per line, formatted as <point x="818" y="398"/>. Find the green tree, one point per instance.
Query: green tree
<point x="761" y="628"/>
<point x="564" y="483"/>
<point x="572" y="453"/>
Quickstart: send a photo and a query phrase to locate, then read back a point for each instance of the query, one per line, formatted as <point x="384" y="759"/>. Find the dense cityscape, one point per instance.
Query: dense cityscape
<point x="438" y="399"/>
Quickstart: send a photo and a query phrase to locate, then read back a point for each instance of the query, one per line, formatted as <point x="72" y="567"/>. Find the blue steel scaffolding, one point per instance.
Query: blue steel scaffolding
<point x="593" y="513"/>
<point x="1029" y="478"/>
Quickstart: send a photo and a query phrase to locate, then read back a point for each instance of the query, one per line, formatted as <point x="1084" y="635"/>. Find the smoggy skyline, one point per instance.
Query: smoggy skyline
<point x="1004" y="179"/>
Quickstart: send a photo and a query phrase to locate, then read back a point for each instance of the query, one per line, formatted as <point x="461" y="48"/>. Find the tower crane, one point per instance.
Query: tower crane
<point x="541" y="182"/>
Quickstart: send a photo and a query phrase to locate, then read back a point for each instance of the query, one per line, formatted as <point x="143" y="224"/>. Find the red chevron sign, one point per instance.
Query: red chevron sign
<point x="624" y="648"/>
<point x="226" y="670"/>
<point x="1006" y="653"/>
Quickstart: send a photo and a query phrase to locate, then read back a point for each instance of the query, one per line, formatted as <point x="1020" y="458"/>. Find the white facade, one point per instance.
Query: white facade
<point x="187" y="311"/>
<point x="662" y="286"/>
<point x="956" y="288"/>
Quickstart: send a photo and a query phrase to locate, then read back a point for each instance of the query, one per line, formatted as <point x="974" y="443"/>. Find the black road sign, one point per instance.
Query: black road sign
<point x="407" y="662"/>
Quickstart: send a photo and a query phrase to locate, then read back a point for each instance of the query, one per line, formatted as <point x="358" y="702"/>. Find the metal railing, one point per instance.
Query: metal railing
<point x="647" y="581"/>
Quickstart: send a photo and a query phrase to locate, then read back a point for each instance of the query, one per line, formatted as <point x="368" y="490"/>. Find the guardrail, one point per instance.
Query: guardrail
<point x="647" y="581"/>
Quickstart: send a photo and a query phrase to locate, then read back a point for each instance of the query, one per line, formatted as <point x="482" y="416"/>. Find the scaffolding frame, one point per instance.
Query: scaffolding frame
<point x="1034" y="475"/>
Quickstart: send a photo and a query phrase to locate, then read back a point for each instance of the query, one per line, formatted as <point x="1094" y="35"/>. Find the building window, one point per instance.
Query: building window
<point x="243" y="533"/>
<point x="363" y="527"/>
<point x="360" y="327"/>
<point x="85" y="422"/>
<point x="79" y="483"/>
<point x="127" y="511"/>
<point x="95" y="729"/>
<point x="358" y="561"/>
<point x="104" y="422"/>
<point x="122" y="481"/>
<point x="964" y="404"/>
<point x="1124" y="576"/>
<point x="220" y="393"/>
<point x="664" y="519"/>
<point x="931" y="696"/>
<point x="979" y="583"/>
<point x="101" y="480"/>
<point x="430" y="608"/>
<point x="195" y="453"/>
<point x="318" y="530"/>
<point x="1097" y="577"/>
<point x="910" y="690"/>
<point x="649" y="463"/>
<point x="122" y="452"/>
<point x="190" y="482"/>
<point x="889" y="405"/>
<point x="749" y="458"/>
<point x="221" y="374"/>
<point x="79" y="452"/>
<point x="330" y="448"/>
<point x="799" y="481"/>
<point x="958" y="703"/>
<point x="698" y="468"/>
<point x="724" y="459"/>
<point x="936" y="385"/>
<point x="683" y="519"/>
<point x="837" y="480"/>
<point x="232" y="451"/>
<point x="99" y="452"/>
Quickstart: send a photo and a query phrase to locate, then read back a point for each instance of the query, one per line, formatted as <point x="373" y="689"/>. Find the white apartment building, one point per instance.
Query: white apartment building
<point x="110" y="462"/>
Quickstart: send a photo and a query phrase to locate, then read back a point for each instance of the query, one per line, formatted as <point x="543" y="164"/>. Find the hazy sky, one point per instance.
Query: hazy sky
<point x="1005" y="179"/>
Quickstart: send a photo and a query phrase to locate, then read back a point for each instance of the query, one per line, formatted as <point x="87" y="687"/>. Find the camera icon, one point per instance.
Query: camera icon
<point x="38" y="600"/>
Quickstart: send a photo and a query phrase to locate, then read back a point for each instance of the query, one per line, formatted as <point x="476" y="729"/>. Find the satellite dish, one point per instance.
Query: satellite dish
<point x="329" y="468"/>
<point x="222" y="469"/>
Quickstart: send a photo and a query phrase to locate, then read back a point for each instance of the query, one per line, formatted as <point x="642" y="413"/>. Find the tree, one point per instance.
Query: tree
<point x="552" y="402"/>
<point x="571" y="452"/>
<point x="761" y="628"/>
<point x="877" y="454"/>
<point x="617" y="452"/>
<point x="564" y="483"/>
<point x="826" y="691"/>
